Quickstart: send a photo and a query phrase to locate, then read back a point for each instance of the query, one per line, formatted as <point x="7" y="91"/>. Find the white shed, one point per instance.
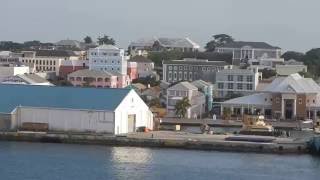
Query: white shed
<point x="70" y="109"/>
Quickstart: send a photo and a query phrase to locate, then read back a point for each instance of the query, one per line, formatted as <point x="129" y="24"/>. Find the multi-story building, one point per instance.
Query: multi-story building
<point x="292" y="97"/>
<point x="290" y="67"/>
<point x="47" y="60"/>
<point x="191" y="70"/>
<point x="108" y="58"/>
<point x="98" y="78"/>
<point x="145" y="67"/>
<point x="207" y="89"/>
<point x="265" y="63"/>
<point x="163" y="44"/>
<point x="236" y="81"/>
<point x="196" y="99"/>
<point x="249" y="50"/>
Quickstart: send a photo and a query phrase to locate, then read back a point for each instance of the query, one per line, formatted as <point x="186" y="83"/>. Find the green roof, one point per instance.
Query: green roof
<point x="12" y="96"/>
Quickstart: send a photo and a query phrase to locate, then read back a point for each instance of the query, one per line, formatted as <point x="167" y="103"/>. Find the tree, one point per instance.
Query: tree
<point x="181" y="107"/>
<point x="293" y="55"/>
<point x="106" y="40"/>
<point x="227" y="113"/>
<point x="268" y="73"/>
<point x="218" y="40"/>
<point x="87" y="40"/>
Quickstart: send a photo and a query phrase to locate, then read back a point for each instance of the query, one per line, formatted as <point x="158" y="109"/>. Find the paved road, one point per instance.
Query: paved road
<point x="230" y="123"/>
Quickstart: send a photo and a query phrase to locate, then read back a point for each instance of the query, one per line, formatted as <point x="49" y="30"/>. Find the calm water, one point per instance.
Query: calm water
<point x="32" y="161"/>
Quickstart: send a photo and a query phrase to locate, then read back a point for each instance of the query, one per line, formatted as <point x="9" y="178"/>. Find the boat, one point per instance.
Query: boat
<point x="255" y="125"/>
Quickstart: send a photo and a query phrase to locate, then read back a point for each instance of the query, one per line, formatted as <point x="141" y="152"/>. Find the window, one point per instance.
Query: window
<point x="208" y="69"/>
<point x="220" y="85"/>
<point x="175" y="75"/>
<point x="240" y="78"/>
<point x="230" y="86"/>
<point x="185" y="76"/>
<point x="239" y="86"/>
<point x="249" y="78"/>
<point x="180" y="68"/>
<point x="300" y="100"/>
<point x="185" y="68"/>
<point x="190" y="68"/>
<point x="314" y="101"/>
<point x="175" y="67"/>
<point x="107" y="79"/>
<point x="277" y="100"/>
<point x="170" y="75"/>
<point x="249" y="86"/>
<point x="171" y="93"/>
<point x="180" y="75"/>
<point x="203" y="68"/>
<point x="190" y="76"/>
<point x="230" y="77"/>
<point x="170" y="67"/>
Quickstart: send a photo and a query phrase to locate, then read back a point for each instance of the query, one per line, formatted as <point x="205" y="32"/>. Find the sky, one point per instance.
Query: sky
<point x="289" y="24"/>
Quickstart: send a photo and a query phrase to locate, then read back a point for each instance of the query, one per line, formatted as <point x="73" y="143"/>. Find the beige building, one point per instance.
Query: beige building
<point x="291" y="98"/>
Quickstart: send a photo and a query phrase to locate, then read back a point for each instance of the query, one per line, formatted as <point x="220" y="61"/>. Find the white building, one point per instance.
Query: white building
<point x="69" y="109"/>
<point x="196" y="99"/>
<point x="7" y="71"/>
<point x="108" y="58"/>
<point x="265" y="63"/>
<point x="236" y="81"/>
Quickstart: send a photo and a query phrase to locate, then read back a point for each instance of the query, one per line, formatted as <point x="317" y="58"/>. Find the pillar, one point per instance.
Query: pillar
<point x="315" y="115"/>
<point x="282" y="109"/>
<point x="221" y="110"/>
<point x="242" y="110"/>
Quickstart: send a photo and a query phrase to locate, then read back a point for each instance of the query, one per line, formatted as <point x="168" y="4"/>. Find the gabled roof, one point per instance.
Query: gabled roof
<point x="256" y="45"/>
<point x="91" y="73"/>
<point x="201" y="83"/>
<point x="254" y="99"/>
<point x="141" y="59"/>
<point x="13" y="96"/>
<point x="183" y="86"/>
<point x="68" y="42"/>
<point x="293" y="82"/>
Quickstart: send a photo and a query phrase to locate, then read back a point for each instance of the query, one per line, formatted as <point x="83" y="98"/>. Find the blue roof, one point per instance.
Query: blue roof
<point x="12" y="96"/>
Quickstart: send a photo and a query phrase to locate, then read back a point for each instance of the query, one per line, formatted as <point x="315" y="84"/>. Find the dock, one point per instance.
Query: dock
<point x="168" y="139"/>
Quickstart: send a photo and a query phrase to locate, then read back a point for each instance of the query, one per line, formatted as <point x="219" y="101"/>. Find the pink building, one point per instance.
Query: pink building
<point x="95" y="78"/>
<point x="69" y="66"/>
<point x="132" y="70"/>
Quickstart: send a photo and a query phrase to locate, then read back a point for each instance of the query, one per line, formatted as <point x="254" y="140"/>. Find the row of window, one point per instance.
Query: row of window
<point x="112" y="69"/>
<point x="195" y="68"/>
<point x="40" y="62"/>
<point x="239" y="86"/>
<point x="89" y="79"/>
<point x="182" y="76"/>
<point x="106" y="61"/>
<point x="178" y="93"/>
<point x="299" y="100"/>
<point x="45" y="68"/>
<point x="104" y="54"/>
<point x="240" y="78"/>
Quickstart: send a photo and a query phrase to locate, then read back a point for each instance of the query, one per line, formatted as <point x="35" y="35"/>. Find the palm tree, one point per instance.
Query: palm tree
<point x="182" y="106"/>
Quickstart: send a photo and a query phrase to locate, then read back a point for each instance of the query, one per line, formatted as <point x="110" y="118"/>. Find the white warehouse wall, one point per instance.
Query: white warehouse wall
<point x="68" y="119"/>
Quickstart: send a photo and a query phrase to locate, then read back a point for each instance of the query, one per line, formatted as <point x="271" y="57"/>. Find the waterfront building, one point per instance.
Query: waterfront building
<point x="181" y="90"/>
<point x="8" y="71"/>
<point x="71" y="109"/>
<point x="98" y="78"/>
<point x="145" y="67"/>
<point x="242" y="50"/>
<point x="163" y="44"/>
<point x="207" y="89"/>
<point x="108" y="58"/>
<point x="291" y="98"/>
<point x="191" y="70"/>
<point x="236" y="81"/>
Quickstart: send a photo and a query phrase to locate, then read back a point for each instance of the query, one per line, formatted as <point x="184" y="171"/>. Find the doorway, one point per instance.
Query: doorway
<point x="289" y="108"/>
<point x="131" y="123"/>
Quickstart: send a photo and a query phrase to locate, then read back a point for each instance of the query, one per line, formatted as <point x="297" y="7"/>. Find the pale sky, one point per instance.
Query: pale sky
<point x="289" y="24"/>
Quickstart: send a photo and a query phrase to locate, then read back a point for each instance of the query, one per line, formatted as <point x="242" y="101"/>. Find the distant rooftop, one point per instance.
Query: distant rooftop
<point x="166" y="42"/>
<point x="257" y="45"/>
<point x="184" y="86"/>
<point x="91" y="73"/>
<point x="107" y="46"/>
<point x="54" y="53"/>
<point x="196" y="62"/>
<point x="140" y="59"/>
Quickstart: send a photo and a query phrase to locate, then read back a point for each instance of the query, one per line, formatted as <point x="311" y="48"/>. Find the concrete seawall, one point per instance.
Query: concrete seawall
<point x="143" y="140"/>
